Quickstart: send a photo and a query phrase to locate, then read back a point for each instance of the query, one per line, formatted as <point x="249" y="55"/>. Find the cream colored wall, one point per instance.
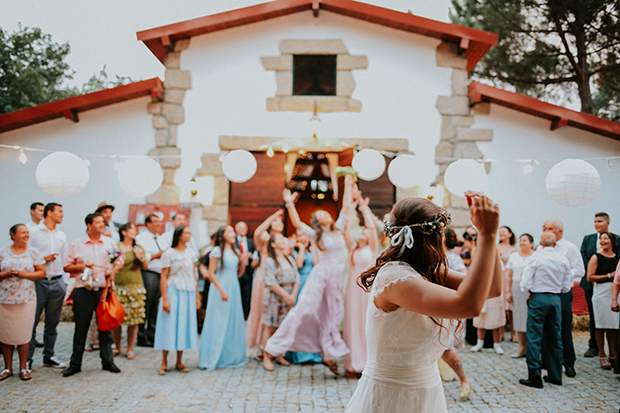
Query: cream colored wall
<point x="123" y="128"/>
<point x="398" y="90"/>
<point x="523" y="198"/>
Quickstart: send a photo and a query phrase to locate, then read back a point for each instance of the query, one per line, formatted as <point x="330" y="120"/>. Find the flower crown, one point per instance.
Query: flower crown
<point x="438" y="225"/>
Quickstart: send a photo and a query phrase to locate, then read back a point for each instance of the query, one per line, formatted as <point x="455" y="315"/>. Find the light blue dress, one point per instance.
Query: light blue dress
<point x="222" y="343"/>
<point x="298" y="357"/>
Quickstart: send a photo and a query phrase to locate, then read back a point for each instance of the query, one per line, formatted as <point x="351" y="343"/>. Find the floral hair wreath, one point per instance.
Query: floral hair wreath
<point x="405" y="237"/>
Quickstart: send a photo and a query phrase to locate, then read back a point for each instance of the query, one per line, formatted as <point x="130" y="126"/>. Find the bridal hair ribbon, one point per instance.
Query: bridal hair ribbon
<point x="404" y="237"/>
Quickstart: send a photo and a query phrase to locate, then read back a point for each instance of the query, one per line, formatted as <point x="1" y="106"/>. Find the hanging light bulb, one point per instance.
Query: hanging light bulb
<point x="270" y="152"/>
<point x="22" y="156"/>
<point x="285" y="148"/>
<point x="193" y="187"/>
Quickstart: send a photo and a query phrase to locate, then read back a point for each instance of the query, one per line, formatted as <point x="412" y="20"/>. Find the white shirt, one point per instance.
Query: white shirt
<point x="113" y="232"/>
<point x="50" y="242"/>
<point x="547" y="271"/>
<point x="152" y="244"/>
<point x="573" y="255"/>
<point x="32" y="225"/>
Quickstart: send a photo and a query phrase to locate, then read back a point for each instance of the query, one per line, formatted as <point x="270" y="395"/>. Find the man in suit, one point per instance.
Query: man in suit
<point x="546" y="275"/>
<point x="246" y="247"/>
<point x="589" y="247"/>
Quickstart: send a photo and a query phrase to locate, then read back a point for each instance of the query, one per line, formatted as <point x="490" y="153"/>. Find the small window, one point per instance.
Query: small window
<point x="314" y="75"/>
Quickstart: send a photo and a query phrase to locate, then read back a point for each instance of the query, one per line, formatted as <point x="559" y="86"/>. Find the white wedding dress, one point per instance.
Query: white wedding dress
<point x="401" y="373"/>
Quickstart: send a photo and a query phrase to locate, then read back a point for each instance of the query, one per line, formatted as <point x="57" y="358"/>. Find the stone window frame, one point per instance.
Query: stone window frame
<point x="282" y="65"/>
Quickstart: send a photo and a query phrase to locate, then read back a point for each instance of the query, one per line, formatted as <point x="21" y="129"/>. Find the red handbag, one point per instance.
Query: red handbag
<point x="110" y="311"/>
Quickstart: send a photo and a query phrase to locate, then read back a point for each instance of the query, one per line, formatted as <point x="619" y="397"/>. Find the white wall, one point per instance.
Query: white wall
<point x="398" y="90"/>
<point x="523" y="198"/>
<point x="122" y="129"/>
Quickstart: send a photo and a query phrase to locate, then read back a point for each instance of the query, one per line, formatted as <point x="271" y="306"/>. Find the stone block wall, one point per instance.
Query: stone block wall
<point x="458" y="138"/>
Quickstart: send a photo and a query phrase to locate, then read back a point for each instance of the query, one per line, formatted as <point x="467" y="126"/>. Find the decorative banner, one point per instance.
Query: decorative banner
<point x="239" y="166"/>
<point x="406" y="171"/>
<point x="573" y="182"/>
<point x="139" y="176"/>
<point x="369" y="163"/>
<point x="465" y="175"/>
<point x="62" y="174"/>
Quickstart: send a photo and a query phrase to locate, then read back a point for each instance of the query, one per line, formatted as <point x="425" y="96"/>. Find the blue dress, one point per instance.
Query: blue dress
<point x="298" y="357"/>
<point x="222" y="343"/>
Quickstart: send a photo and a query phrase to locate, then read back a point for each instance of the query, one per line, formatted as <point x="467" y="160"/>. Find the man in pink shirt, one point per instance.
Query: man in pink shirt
<point x="95" y="252"/>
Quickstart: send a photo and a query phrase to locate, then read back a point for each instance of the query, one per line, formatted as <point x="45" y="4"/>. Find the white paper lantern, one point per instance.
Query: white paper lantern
<point x="369" y="164"/>
<point x="465" y="175"/>
<point x="407" y="171"/>
<point x="62" y="174"/>
<point x="139" y="176"/>
<point x="573" y="182"/>
<point x="239" y="166"/>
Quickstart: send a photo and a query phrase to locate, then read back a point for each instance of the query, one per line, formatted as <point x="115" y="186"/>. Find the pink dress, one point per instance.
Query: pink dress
<point x="312" y="326"/>
<point x="355" y="305"/>
<point x="255" y="329"/>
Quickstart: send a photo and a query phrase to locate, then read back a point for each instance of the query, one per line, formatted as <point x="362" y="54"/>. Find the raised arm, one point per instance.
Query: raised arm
<point x="369" y="221"/>
<point x="289" y="201"/>
<point x="259" y="239"/>
<point x="423" y="297"/>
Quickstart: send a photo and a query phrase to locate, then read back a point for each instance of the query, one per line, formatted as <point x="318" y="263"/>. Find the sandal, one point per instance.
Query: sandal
<point x="161" y="371"/>
<point x="332" y="366"/>
<point x="116" y="353"/>
<point x="605" y="364"/>
<point x="464" y="393"/>
<point x="130" y="355"/>
<point x="267" y="362"/>
<point x="182" y="369"/>
<point x="24" y="374"/>
<point x="5" y="374"/>
<point x="351" y="374"/>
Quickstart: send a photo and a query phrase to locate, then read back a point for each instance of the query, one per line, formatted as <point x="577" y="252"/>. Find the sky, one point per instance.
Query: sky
<point x="104" y="32"/>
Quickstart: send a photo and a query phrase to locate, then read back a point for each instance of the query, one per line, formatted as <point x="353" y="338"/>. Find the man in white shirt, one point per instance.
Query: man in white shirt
<point x="546" y="275"/>
<point x="36" y="215"/>
<point x="111" y="228"/>
<point x="154" y="246"/>
<point x="572" y="254"/>
<point x="178" y="220"/>
<point x="51" y="242"/>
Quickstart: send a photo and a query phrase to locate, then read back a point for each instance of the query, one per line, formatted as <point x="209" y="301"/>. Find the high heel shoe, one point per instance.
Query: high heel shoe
<point x="605" y="364"/>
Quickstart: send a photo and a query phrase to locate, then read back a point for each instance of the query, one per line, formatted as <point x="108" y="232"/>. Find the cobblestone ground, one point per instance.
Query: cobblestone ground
<point x="298" y="388"/>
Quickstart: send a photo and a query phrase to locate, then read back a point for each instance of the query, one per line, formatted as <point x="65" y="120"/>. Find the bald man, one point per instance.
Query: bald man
<point x="572" y="254"/>
<point x="546" y="275"/>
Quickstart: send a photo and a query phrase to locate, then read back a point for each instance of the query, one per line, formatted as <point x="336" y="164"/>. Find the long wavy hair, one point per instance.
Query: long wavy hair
<point x="220" y="241"/>
<point x="136" y="262"/>
<point x="314" y="222"/>
<point x="426" y="256"/>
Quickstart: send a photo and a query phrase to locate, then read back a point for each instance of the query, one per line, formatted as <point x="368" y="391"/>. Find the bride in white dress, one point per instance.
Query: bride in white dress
<point x="413" y="299"/>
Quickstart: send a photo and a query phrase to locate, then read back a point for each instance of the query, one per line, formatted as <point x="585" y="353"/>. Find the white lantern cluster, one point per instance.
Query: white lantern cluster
<point x="407" y="171"/>
<point x="239" y="166"/>
<point x="139" y="175"/>
<point x="369" y="164"/>
<point x="465" y="175"/>
<point x="573" y="182"/>
<point x="62" y="174"/>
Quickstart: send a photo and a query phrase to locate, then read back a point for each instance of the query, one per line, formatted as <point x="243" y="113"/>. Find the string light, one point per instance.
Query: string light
<point x="22" y="156"/>
<point x="270" y="152"/>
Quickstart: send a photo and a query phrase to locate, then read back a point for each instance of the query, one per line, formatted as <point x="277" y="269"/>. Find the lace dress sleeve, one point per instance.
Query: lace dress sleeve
<point x="307" y="231"/>
<point x="392" y="273"/>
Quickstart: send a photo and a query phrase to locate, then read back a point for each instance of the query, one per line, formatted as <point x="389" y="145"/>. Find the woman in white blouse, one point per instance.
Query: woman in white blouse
<point x="514" y="295"/>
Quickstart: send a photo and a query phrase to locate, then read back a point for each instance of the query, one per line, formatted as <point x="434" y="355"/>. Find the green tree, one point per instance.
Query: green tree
<point x="32" y="69"/>
<point x="551" y="49"/>
<point x="102" y="81"/>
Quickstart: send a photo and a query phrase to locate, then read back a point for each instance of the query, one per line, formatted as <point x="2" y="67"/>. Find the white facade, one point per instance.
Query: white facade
<point x="230" y="86"/>
<point x="523" y="198"/>
<point x="124" y="128"/>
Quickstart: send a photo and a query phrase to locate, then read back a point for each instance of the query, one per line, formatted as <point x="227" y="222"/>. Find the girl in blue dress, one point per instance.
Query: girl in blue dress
<point x="222" y="343"/>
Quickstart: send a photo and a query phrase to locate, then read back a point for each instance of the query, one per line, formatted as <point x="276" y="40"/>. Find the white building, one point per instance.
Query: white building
<point x="396" y="82"/>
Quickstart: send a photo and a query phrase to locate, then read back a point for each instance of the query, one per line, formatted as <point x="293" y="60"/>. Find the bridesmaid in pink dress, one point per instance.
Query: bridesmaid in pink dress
<point x="356" y="300"/>
<point x="254" y="330"/>
<point x="312" y="326"/>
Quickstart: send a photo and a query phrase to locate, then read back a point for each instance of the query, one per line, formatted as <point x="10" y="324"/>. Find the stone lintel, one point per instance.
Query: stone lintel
<point x="335" y="46"/>
<point x="307" y="104"/>
<point x="261" y="143"/>
<point x="283" y="62"/>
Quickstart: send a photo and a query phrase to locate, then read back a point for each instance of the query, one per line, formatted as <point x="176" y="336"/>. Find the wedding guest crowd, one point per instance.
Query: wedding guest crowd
<point x="301" y="295"/>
